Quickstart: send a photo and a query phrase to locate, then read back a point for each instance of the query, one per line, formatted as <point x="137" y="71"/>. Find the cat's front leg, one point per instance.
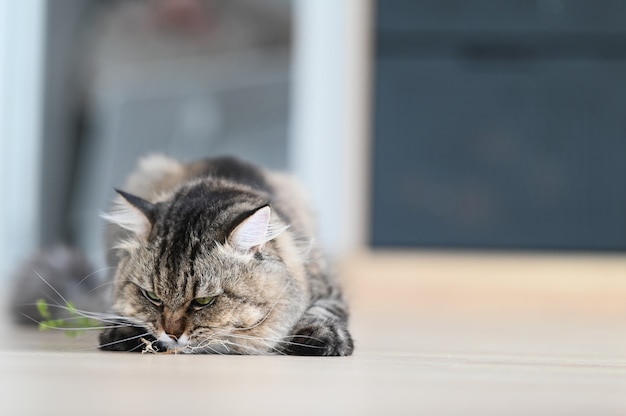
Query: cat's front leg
<point x="127" y="338"/>
<point x="322" y="330"/>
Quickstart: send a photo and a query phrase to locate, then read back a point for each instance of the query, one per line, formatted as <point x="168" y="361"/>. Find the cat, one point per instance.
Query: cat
<point x="219" y="256"/>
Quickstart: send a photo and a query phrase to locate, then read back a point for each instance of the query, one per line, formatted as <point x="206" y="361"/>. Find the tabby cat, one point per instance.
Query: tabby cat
<point x="219" y="256"/>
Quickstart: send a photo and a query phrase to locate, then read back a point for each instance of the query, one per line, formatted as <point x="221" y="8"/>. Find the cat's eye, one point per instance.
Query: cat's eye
<point x="152" y="297"/>
<point x="199" y="303"/>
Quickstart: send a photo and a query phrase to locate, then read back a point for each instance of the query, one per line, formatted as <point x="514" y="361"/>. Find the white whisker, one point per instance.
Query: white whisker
<point x="93" y="274"/>
<point x="118" y="341"/>
<point x="51" y="287"/>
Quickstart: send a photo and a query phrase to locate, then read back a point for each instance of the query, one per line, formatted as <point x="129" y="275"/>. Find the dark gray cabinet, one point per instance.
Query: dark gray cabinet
<point x="500" y="125"/>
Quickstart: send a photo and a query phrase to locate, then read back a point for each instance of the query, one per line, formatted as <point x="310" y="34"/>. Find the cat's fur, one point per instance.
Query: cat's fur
<point x="225" y="229"/>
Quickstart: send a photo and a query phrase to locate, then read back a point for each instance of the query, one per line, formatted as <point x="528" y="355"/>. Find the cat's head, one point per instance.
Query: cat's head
<point x="208" y="272"/>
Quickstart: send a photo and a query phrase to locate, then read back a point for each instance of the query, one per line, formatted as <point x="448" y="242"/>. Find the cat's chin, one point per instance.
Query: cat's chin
<point x="184" y="346"/>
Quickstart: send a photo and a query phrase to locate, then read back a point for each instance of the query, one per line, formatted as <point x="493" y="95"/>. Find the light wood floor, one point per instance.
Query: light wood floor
<point x="436" y="334"/>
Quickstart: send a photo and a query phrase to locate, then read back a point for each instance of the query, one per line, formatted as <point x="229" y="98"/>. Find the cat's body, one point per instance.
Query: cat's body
<point x="220" y="256"/>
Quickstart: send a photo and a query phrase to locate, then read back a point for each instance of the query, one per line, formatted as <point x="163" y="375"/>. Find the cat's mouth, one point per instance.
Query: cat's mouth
<point x="173" y="343"/>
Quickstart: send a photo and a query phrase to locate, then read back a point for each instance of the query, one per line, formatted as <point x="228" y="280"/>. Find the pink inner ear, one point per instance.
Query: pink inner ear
<point x="252" y="232"/>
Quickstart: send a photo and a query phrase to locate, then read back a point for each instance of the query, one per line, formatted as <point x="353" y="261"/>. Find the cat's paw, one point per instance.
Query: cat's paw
<point x="127" y="338"/>
<point x="321" y="338"/>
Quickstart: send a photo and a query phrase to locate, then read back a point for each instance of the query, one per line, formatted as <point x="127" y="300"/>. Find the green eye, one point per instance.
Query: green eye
<point x="202" y="302"/>
<point x="151" y="296"/>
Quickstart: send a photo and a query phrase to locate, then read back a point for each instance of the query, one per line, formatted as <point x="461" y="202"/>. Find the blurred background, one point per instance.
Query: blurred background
<point x="413" y="123"/>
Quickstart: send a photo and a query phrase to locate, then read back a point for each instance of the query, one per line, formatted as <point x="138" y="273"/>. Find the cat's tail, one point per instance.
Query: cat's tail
<point x="57" y="279"/>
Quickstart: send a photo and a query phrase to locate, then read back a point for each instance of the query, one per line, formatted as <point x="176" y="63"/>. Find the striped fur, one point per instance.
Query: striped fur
<point x="233" y="235"/>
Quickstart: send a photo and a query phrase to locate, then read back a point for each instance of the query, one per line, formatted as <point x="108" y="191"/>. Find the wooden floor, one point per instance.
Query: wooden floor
<point x="436" y="334"/>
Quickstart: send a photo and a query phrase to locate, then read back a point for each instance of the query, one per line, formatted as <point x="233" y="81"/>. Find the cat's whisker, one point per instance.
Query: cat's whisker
<point x="268" y="343"/>
<point x="211" y="339"/>
<point x="121" y="340"/>
<point x="55" y="304"/>
<point x="98" y="316"/>
<point x="281" y="341"/>
<point x="31" y="318"/>
<point x="43" y="324"/>
<point x="100" y="286"/>
<point x="111" y="282"/>
<point x="229" y="334"/>
<point x="106" y="317"/>
<point x="51" y="287"/>
<point x="94" y="273"/>
<point x="112" y="320"/>
<point x="79" y="328"/>
<point x="299" y="336"/>
<point x="203" y="346"/>
<point x="252" y="350"/>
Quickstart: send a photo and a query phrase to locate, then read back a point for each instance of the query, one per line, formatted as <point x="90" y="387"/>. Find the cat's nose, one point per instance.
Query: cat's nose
<point x="174" y="326"/>
<point x="175" y="332"/>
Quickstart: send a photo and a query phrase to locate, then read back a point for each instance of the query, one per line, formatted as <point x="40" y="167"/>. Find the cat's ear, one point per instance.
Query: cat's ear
<point x="132" y="213"/>
<point x="254" y="231"/>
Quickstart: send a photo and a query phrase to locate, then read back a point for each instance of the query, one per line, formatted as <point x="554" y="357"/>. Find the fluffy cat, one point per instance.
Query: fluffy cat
<point x="219" y="256"/>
